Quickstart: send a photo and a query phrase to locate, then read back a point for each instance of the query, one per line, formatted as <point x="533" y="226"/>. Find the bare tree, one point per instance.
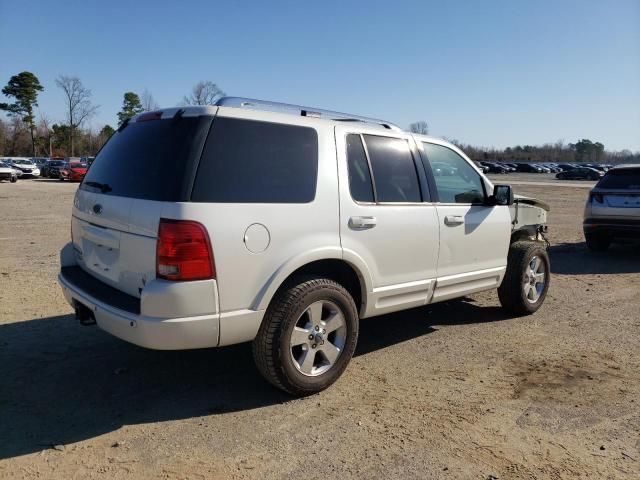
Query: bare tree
<point x="203" y="93"/>
<point x="79" y="106"/>
<point x="148" y="102"/>
<point x="420" y="127"/>
<point x="44" y="133"/>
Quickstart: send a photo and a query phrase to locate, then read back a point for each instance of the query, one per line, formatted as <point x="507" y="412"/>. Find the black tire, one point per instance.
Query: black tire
<point x="597" y="242"/>
<point x="61" y="179"/>
<point x="272" y="351"/>
<point x="13" y="179"/>
<point x="512" y="290"/>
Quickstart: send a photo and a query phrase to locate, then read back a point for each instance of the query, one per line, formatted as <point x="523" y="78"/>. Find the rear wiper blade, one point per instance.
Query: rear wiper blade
<point x="103" y="187"/>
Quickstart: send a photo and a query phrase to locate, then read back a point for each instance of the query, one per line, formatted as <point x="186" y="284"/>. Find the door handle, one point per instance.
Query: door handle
<point x="453" y="220"/>
<point x="362" y="223"/>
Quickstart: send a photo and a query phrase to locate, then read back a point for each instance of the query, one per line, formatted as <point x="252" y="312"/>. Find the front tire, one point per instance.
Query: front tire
<point x="307" y="337"/>
<point x="526" y="281"/>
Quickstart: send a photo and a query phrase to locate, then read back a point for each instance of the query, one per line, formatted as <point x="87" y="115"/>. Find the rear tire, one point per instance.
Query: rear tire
<point x="307" y="337"/>
<point x="13" y="179"/>
<point x="597" y="242"/>
<point x="526" y="281"/>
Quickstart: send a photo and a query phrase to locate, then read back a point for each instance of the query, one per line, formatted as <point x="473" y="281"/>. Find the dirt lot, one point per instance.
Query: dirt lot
<point x="456" y="390"/>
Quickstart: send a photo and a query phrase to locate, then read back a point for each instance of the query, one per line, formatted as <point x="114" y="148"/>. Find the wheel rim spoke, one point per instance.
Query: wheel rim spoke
<point x="300" y="336"/>
<point x="334" y="322"/>
<point x="330" y="351"/>
<point x="307" y="362"/>
<point x="315" y="313"/>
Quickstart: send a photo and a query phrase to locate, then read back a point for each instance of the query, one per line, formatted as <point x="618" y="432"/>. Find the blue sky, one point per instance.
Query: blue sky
<point x="492" y="73"/>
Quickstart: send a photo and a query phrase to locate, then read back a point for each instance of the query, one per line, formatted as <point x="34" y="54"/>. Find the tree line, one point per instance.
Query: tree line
<point x="22" y="134"/>
<point x="583" y="151"/>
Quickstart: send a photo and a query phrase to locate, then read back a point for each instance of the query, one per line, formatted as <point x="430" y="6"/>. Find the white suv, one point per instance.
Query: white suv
<point x="255" y="221"/>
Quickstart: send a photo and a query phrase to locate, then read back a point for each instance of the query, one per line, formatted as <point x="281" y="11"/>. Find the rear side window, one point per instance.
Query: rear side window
<point x="623" y="179"/>
<point x="151" y="160"/>
<point x="246" y="161"/>
<point x="359" y="176"/>
<point x="394" y="171"/>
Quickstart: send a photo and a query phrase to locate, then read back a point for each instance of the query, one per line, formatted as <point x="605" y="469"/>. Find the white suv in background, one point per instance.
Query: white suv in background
<point x="256" y="221"/>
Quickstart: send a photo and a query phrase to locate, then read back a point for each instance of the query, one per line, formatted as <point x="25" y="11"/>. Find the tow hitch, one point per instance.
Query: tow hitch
<point x="84" y="314"/>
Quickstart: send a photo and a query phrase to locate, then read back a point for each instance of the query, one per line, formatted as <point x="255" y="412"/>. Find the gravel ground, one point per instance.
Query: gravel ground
<point x="456" y="390"/>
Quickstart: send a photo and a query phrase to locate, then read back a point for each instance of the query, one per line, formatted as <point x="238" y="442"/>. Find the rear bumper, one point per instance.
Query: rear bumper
<point x="157" y="333"/>
<point x="618" y="227"/>
<point x="167" y="316"/>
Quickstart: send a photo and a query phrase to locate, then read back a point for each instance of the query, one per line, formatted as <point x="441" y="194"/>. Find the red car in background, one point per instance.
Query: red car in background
<point x="73" y="171"/>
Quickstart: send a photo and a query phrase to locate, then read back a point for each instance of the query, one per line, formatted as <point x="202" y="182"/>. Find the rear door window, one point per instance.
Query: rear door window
<point x="360" y="183"/>
<point x="151" y="160"/>
<point x="247" y="161"/>
<point x="393" y="168"/>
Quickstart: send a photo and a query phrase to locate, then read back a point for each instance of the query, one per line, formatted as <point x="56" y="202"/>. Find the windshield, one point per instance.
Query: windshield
<point x="24" y="162"/>
<point x="622" y="179"/>
<point x="151" y="160"/>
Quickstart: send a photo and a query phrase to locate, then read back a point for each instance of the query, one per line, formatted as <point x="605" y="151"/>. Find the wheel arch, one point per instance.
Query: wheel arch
<point x="329" y="263"/>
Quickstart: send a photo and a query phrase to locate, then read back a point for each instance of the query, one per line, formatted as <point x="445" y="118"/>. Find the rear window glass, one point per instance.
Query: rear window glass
<point x="624" y="179"/>
<point x="394" y="171"/>
<point x="246" y="161"/>
<point x="151" y="160"/>
<point x="359" y="176"/>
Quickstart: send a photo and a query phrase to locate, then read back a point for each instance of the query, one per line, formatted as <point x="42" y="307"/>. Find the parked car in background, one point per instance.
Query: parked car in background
<point x="26" y="166"/>
<point x="52" y="168"/>
<point x="495" y="167"/>
<point x="40" y="162"/>
<point x="543" y="168"/>
<point x="528" y="168"/>
<point x="580" y="173"/>
<point x="8" y="173"/>
<point x="88" y="160"/>
<point x="612" y="211"/>
<point x="483" y="168"/>
<point x="567" y="166"/>
<point x="73" y="171"/>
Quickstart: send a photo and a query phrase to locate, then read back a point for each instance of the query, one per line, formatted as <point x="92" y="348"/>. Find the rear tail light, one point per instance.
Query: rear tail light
<point x="183" y="251"/>
<point x="596" y="197"/>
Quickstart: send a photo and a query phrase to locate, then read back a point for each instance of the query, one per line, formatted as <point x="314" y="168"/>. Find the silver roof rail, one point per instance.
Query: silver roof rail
<point x="265" y="105"/>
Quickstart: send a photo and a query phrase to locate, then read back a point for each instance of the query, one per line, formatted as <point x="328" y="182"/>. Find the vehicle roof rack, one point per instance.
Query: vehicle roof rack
<point x="266" y="105"/>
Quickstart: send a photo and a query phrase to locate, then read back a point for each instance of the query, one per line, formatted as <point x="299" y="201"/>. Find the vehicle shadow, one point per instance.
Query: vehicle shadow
<point x="62" y="383"/>
<point x="577" y="259"/>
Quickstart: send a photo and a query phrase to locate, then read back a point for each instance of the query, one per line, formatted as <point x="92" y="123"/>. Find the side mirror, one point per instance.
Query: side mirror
<point x="502" y="195"/>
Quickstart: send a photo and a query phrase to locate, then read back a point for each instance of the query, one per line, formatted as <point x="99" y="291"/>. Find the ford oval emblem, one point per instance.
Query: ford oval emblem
<point x="97" y="209"/>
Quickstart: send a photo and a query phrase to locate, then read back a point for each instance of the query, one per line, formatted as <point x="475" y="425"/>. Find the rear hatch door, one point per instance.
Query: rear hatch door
<point x="618" y="194"/>
<point x="144" y="166"/>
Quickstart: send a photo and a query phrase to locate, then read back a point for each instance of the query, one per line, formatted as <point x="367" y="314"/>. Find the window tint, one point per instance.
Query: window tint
<point x="359" y="175"/>
<point x="456" y="180"/>
<point x="149" y="160"/>
<point x="623" y="179"/>
<point x="246" y="161"/>
<point x="394" y="172"/>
